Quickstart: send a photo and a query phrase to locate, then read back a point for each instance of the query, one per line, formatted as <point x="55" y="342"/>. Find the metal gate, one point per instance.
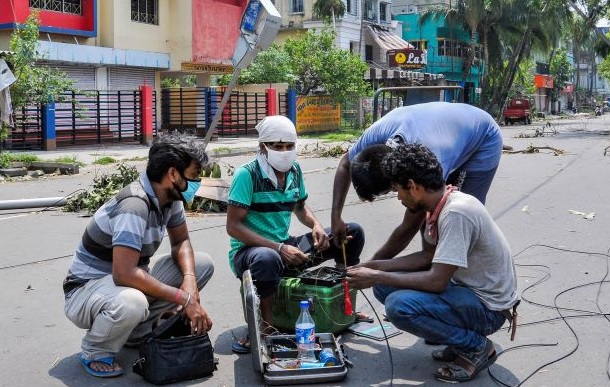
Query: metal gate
<point x="388" y="98"/>
<point x="193" y="109"/>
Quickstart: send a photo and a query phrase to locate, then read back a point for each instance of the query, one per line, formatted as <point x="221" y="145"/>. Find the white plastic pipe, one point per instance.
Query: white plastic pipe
<point x="32" y="203"/>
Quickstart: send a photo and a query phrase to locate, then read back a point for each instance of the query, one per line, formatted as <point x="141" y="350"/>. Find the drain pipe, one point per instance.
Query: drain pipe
<point x="32" y="203"/>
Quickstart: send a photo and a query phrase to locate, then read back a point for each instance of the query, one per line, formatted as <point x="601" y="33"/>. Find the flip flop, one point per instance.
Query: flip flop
<point x="240" y="347"/>
<point x="110" y="360"/>
<point x="363" y="317"/>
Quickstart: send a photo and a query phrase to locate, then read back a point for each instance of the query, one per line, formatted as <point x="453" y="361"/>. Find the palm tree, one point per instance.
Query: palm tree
<point x="535" y="25"/>
<point x="327" y="10"/>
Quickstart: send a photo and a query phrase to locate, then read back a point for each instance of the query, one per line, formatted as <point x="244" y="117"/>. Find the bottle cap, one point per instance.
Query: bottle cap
<point x="304" y="304"/>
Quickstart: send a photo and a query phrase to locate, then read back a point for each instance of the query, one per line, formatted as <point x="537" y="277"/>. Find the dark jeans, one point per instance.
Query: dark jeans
<point x="266" y="265"/>
<point x="473" y="183"/>
<point x="454" y="317"/>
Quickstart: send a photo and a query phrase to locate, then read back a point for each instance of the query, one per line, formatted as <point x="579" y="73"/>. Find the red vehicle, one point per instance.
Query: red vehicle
<point x="518" y="110"/>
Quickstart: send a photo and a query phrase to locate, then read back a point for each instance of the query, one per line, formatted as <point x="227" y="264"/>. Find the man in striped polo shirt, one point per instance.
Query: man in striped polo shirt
<point x="263" y="196"/>
<point x="110" y="289"/>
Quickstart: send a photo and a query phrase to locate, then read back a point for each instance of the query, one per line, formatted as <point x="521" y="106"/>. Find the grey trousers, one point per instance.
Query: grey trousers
<point x="114" y="314"/>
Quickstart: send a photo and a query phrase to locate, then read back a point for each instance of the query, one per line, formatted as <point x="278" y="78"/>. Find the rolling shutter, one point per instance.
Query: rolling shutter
<point x="83" y="76"/>
<point x="130" y="78"/>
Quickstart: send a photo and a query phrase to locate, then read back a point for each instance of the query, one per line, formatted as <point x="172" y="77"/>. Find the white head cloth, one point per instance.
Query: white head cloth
<point x="274" y="129"/>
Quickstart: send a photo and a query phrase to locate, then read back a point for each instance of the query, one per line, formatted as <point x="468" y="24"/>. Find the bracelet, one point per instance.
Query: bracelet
<point x="188" y="299"/>
<point x="279" y="248"/>
<point x="178" y="297"/>
<point x="185" y="274"/>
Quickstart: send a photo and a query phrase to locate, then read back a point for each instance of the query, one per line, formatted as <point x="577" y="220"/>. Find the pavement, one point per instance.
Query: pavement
<point x="552" y="205"/>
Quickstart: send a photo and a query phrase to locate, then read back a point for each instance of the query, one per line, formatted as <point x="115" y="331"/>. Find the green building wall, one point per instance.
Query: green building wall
<point x="432" y="34"/>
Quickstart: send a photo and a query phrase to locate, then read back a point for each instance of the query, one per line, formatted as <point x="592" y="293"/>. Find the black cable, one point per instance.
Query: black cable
<point x="560" y="309"/>
<point x="387" y="342"/>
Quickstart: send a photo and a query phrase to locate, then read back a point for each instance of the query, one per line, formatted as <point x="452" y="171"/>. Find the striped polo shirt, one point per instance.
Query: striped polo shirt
<point x="269" y="208"/>
<point x="132" y="219"/>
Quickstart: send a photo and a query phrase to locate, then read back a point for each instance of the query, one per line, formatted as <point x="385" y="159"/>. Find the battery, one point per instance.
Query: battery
<point x="327" y="357"/>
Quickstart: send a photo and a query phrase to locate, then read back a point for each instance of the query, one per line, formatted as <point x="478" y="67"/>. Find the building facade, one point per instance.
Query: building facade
<point x="119" y="44"/>
<point x="446" y="44"/>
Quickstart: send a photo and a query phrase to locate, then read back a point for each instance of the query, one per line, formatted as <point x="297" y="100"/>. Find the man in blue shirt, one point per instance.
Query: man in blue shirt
<point x="466" y="140"/>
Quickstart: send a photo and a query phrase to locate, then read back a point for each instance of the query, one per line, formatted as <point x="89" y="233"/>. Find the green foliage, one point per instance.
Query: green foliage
<point x="6" y="158"/>
<point x="207" y="205"/>
<point x="269" y="66"/>
<point x="524" y="79"/>
<point x="34" y="84"/>
<point x="104" y="187"/>
<point x="328" y="10"/>
<point x="561" y="70"/>
<point x="180" y="81"/>
<point x="312" y="64"/>
<point x="69" y="160"/>
<point x="320" y="67"/>
<point x="604" y="68"/>
<point x="105" y="160"/>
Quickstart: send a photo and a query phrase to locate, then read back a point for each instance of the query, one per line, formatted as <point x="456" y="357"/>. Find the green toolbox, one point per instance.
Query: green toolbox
<point x="323" y="288"/>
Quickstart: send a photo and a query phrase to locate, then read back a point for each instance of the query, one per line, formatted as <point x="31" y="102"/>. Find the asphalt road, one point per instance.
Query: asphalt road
<point x="540" y="201"/>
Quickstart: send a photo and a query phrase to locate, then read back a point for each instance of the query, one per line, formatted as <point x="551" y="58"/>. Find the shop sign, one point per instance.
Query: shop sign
<point x="206" y="68"/>
<point x="407" y="59"/>
<point x="543" y="81"/>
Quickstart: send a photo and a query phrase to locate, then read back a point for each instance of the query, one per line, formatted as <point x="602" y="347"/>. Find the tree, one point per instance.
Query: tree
<point x="321" y="67"/>
<point x="312" y="64"/>
<point x="327" y="10"/>
<point x="561" y="70"/>
<point x="34" y="84"/>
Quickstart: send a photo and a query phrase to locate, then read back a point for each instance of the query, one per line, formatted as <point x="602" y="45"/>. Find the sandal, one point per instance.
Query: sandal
<point x="109" y="361"/>
<point x="363" y="317"/>
<point x="447" y="354"/>
<point x="468" y="364"/>
<point x="241" y="346"/>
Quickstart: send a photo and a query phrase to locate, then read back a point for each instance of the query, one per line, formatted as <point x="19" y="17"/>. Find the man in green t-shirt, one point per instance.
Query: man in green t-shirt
<point x="263" y="196"/>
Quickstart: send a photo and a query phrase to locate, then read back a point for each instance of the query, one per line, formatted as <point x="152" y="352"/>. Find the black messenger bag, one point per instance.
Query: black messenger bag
<point x="172" y="354"/>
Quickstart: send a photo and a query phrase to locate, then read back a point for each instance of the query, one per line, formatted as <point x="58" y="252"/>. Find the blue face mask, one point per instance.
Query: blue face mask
<point x="192" y="187"/>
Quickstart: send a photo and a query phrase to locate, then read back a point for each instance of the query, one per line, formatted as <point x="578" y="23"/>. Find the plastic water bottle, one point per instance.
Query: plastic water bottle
<point x="305" y="334"/>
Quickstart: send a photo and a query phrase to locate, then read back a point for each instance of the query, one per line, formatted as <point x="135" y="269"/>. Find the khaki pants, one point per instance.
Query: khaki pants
<point x="115" y="314"/>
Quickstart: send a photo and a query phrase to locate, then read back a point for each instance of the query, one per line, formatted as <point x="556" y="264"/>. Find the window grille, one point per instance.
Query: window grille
<point x="145" y="11"/>
<point x="297" y="6"/>
<point x="74" y="7"/>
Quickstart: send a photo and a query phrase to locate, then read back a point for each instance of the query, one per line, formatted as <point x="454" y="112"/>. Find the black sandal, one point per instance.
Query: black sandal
<point x="467" y="365"/>
<point x="447" y="354"/>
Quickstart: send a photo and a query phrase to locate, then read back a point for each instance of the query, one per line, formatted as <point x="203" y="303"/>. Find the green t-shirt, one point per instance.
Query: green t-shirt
<point x="269" y="209"/>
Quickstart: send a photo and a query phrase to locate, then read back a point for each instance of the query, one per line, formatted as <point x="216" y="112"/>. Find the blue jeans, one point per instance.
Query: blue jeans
<point x="473" y="183"/>
<point x="267" y="268"/>
<point x="454" y="317"/>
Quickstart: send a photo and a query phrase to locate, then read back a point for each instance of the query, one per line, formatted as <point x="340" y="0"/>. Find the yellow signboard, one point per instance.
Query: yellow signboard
<point x="317" y="114"/>
<point x="206" y="68"/>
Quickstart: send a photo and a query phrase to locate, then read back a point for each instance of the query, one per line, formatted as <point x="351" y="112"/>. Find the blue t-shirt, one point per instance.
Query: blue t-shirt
<point x="460" y="135"/>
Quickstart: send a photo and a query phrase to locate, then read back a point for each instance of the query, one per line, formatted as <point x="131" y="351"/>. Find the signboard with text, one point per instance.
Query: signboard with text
<point x="317" y="114"/>
<point x="407" y="58"/>
<point x="543" y="81"/>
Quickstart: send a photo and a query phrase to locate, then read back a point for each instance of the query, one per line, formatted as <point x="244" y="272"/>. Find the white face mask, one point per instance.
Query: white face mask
<point x="282" y="161"/>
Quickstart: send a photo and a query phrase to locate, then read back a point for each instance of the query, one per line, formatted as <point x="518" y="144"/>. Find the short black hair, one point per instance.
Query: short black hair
<point x="367" y="176"/>
<point x="174" y="150"/>
<point x="413" y="162"/>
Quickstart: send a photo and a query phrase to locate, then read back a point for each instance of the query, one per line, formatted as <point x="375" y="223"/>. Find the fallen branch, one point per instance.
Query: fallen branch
<point x="536" y="149"/>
